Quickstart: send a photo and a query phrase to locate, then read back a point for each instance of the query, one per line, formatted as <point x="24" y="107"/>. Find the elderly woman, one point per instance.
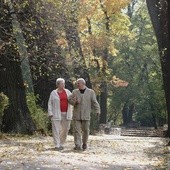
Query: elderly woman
<point x="60" y="113"/>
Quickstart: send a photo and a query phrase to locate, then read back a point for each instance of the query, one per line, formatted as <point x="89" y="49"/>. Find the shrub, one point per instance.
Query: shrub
<point x="4" y="101"/>
<point x="94" y="124"/>
<point x="38" y="115"/>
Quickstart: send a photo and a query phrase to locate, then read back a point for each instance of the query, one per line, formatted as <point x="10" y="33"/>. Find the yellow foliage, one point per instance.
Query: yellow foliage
<point x="117" y="82"/>
<point x="113" y="6"/>
<point x="62" y="42"/>
<point x="92" y="17"/>
<point x="112" y="50"/>
<point x="89" y="8"/>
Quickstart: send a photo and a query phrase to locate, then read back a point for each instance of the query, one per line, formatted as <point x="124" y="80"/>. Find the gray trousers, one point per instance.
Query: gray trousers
<point x="60" y="130"/>
<point x="81" y="129"/>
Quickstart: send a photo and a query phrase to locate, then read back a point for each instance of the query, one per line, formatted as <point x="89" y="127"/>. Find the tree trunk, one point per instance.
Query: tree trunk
<point x="103" y="103"/>
<point x="168" y="74"/>
<point x="159" y="17"/>
<point x="127" y="113"/>
<point x="104" y="91"/>
<point x="153" y="115"/>
<point x="131" y="111"/>
<point x="16" y="118"/>
<point x="103" y="86"/>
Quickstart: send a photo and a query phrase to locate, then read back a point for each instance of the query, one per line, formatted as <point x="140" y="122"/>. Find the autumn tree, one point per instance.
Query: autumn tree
<point x="99" y="22"/>
<point x="68" y="14"/>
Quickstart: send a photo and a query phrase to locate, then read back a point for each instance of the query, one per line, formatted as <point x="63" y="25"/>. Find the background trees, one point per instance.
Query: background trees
<point x="138" y="63"/>
<point x="110" y="43"/>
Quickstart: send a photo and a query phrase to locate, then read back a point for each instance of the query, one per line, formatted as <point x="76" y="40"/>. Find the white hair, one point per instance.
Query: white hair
<point x="59" y="80"/>
<point x="82" y="80"/>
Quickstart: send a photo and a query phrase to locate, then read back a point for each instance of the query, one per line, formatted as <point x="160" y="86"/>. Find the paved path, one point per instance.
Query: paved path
<point x="104" y="152"/>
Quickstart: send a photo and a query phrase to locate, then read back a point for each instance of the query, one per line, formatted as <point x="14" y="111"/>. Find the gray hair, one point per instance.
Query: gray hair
<point x="82" y="80"/>
<point x="59" y="80"/>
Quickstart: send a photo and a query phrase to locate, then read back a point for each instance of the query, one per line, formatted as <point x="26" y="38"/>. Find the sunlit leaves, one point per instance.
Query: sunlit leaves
<point x="96" y="22"/>
<point x="113" y="6"/>
<point x="117" y="82"/>
<point x="62" y="42"/>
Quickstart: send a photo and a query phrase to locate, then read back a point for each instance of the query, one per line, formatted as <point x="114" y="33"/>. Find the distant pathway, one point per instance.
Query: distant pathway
<point x="104" y="152"/>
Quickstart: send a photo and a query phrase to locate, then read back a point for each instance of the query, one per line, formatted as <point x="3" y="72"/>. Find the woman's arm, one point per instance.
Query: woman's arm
<point x="50" y="105"/>
<point x="73" y="100"/>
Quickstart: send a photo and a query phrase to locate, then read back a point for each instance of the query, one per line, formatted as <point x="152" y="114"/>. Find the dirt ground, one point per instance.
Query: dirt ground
<point x="104" y="152"/>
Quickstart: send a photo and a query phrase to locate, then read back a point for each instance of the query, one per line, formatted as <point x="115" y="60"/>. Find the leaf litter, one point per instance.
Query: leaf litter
<point x="104" y="152"/>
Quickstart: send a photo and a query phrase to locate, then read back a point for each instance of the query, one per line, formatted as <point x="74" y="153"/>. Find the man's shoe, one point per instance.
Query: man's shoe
<point x="78" y="148"/>
<point x="84" y="146"/>
<point x="59" y="148"/>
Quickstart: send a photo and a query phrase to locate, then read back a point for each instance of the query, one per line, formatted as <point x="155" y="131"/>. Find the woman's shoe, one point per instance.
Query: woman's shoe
<point x="59" y="148"/>
<point x="84" y="146"/>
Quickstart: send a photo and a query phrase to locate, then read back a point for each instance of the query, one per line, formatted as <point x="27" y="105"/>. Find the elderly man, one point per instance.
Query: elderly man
<point x="83" y="99"/>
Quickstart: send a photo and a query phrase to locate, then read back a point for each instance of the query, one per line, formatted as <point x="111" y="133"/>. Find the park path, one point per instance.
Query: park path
<point x="104" y="152"/>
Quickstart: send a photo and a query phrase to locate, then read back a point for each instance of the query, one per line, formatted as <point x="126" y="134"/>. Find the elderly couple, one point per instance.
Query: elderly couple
<point x="60" y="106"/>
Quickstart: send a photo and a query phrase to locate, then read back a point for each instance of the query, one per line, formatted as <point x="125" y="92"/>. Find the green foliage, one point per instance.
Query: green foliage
<point x="38" y="115"/>
<point x="4" y="101"/>
<point x="94" y="124"/>
<point x="138" y="63"/>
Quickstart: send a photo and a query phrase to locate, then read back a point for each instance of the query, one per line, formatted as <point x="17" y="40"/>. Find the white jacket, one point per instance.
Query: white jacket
<point x="54" y="106"/>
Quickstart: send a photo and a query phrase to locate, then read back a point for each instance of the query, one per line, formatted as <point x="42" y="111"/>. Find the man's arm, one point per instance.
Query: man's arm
<point x="95" y="103"/>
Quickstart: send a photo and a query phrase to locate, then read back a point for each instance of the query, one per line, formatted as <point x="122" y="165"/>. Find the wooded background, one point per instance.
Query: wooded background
<point x="120" y="47"/>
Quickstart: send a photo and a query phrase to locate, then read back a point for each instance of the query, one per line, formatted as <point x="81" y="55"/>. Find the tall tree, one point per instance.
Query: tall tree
<point x="158" y="10"/>
<point x="17" y="117"/>
<point x="169" y="69"/>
